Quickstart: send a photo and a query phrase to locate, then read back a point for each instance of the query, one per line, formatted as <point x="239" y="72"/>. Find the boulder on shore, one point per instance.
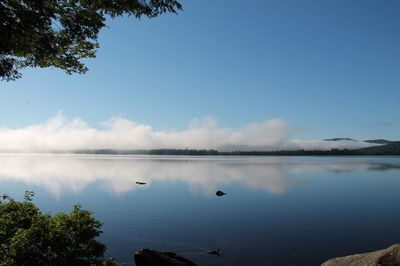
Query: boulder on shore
<point x="383" y="257"/>
<point x="148" y="257"/>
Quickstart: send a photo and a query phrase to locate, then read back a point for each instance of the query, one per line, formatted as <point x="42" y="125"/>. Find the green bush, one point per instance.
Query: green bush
<point x="30" y="237"/>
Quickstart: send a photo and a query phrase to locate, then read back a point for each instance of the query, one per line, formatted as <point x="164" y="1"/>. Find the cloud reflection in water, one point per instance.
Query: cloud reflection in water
<point x="119" y="174"/>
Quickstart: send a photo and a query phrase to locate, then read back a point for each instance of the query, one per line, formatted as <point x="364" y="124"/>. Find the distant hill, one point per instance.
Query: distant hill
<point x="339" y="139"/>
<point x="378" y="141"/>
<point x="392" y="148"/>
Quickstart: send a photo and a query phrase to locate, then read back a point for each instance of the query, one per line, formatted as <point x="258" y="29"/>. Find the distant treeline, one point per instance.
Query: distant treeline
<point x="150" y="152"/>
<point x="389" y="149"/>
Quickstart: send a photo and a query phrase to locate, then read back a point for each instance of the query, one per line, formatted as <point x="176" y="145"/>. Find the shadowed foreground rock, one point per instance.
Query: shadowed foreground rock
<point x="148" y="257"/>
<point x="383" y="257"/>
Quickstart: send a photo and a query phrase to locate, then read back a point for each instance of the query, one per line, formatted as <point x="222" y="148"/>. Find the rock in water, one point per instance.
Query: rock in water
<point x="220" y="193"/>
<point x="383" y="257"/>
<point x="148" y="257"/>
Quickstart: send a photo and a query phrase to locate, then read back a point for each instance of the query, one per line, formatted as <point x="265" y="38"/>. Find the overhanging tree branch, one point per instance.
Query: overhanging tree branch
<point x="60" y="33"/>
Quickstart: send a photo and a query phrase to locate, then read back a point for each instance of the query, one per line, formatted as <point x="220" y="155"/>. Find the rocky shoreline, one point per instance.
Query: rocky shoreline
<point x="384" y="257"/>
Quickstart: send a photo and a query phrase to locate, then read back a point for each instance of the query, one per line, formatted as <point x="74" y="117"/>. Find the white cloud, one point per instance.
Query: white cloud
<point x="61" y="133"/>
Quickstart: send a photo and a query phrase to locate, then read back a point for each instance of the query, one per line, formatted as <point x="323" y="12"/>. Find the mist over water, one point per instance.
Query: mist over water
<point x="62" y="134"/>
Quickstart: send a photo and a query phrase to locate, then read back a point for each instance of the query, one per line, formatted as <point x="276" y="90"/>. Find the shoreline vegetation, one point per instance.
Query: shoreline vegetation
<point x="29" y="236"/>
<point x="390" y="149"/>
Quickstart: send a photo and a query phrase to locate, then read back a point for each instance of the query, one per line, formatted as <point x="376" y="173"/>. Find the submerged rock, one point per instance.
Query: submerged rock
<point x="148" y="257"/>
<point x="383" y="257"/>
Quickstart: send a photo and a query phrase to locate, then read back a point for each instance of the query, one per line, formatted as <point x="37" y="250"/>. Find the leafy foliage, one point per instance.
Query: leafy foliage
<point x="60" y="33"/>
<point x="30" y="237"/>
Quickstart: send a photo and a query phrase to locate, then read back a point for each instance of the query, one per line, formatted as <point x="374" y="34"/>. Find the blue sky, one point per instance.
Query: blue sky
<point x="331" y="68"/>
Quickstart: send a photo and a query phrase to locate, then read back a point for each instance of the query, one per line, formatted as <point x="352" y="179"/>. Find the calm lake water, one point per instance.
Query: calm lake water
<point x="277" y="211"/>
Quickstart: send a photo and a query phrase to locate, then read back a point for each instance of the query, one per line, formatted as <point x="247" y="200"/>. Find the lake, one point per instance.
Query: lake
<point x="277" y="210"/>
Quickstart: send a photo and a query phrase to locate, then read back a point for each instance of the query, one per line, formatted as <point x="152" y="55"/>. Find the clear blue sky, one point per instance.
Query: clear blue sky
<point x="329" y="66"/>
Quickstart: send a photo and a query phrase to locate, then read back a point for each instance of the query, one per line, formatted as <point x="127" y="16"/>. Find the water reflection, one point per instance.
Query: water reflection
<point x="203" y="175"/>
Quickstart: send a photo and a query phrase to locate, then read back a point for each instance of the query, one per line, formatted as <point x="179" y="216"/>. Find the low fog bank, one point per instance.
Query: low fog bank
<point x="62" y="134"/>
